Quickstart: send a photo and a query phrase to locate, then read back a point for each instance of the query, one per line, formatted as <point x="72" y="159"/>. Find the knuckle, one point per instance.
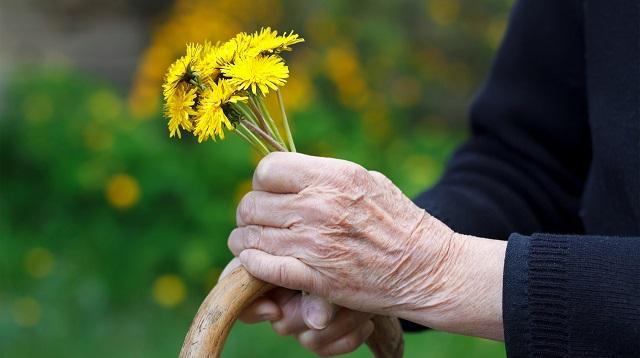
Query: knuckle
<point x="253" y="236"/>
<point x="357" y="173"/>
<point x="246" y="208"/>
<point x="378" y="177"/>
<point x="232" y="239"/>
<point x="264" y="167"/>
<point x="282" y="274"/>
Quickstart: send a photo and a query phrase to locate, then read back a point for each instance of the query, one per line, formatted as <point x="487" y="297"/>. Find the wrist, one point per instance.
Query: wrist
<point x="457" y="285"/>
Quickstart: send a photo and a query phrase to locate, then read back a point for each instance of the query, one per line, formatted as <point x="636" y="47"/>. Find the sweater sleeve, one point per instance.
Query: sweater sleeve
<point x="572" y="296"/>
<point x="524" y="166"/>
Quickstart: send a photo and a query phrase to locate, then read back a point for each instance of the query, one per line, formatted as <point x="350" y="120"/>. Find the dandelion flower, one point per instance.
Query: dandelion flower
<point x="183" y="70"/>
<point x="262" y="72"/>
<point x="211" y="116"/>
<point x="226" y="53"/>
<point x="267" y="41"/>
<point x="179" y="107"/>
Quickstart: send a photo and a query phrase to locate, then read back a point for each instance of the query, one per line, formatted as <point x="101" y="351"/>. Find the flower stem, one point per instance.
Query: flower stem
<point x="246" y="112"/>
<point x="261" y="121"/>
<point x="270" y="121"/>
<point x="262" y="134"/>
<point x="252" y="139"/>
<point x="285" y="122"/>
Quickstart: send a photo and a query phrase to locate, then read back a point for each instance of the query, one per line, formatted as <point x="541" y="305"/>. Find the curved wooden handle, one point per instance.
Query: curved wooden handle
<point x="233" y="293"/>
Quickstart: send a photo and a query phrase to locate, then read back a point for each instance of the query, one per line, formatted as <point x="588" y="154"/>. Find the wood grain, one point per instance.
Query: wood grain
<point x="233" y="293"/>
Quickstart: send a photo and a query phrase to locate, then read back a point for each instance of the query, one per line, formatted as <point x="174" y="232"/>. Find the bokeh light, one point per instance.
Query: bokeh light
<point x="122" y="191"/>
<point x="39" y="262"/>
<point x="169" y="290"/>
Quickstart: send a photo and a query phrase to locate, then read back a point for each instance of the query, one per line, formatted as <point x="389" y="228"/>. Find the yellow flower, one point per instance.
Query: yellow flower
<point x="236" y="48"/>
<point x="183" y="70"/>
<point x="179" y="107"/>
<point x="211" y="116"/>
<point x="261" y="72"/>
<point x="267" y="42"/>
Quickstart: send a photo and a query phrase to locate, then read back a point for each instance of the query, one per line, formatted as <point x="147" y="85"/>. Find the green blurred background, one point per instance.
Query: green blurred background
<point x="111" y="233"/>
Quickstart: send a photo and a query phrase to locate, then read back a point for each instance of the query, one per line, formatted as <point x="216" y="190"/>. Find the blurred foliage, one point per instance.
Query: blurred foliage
<point x="111" y="233"/>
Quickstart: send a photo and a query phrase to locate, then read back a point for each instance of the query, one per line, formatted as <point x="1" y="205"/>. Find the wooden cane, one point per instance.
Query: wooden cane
<point x="234" y="292"/>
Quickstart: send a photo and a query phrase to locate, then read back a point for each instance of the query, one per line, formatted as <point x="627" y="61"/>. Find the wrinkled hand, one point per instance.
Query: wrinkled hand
<point x="317" y="325"/>
<point x="332" y="228"/>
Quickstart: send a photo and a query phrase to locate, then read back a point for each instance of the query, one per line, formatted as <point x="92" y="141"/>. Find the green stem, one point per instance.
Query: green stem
<point x="261" y="122"/>
<point x="285" y="122"/>
<point x="246" y="112"/>
<point x="270" y="121"/>
<point x="262" y="134"/>
<point x="252" y="139"/>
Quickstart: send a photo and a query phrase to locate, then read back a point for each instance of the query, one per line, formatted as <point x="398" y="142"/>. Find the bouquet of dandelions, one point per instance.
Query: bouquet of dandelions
<point x="216" y="87"/>
<point x="213" y="88"/>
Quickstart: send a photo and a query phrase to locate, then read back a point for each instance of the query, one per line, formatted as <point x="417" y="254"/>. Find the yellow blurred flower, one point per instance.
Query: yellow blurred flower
<point x="104" y="105"/>
<point x="211" y="116"/>
<point x="26" y="312"/>
<point x="38" y="262"/>
<point x="242" y="188"/>
<point x="179" y="108"/>
<point x="299" y="91"/>
<point x="444" y="12"/>
<point x="343" y="68"/>
<point x="261" y="72"/>
<point x="169" y="290"/>
<point x="122" y="191"/>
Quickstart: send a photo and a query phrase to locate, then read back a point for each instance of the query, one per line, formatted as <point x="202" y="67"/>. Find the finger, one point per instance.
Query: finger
<point x="232" y="265"/>
<point x="347" y="343"/>
<point x="345" y="322"/>
<point x="262" y="309"/>
<point x="316" y="311"/>
<point x="291" y="322"/>
<point x="283" y="271"/>
<point x="281" y="295"/>
<point x="268" y="209"/>
<point x="281" y="172"/>
<point x="268" y="239"/>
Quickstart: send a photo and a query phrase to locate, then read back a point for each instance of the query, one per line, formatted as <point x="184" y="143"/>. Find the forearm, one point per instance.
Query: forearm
<point x="461" y="291"/>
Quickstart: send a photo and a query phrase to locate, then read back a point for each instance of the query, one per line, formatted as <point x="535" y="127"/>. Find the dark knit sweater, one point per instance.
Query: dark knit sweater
<point x="553" y="165"/>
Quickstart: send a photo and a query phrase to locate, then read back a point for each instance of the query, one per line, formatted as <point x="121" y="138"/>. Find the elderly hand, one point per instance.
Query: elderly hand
<point x="334" y="229"/>
<point x="317" y="325"/>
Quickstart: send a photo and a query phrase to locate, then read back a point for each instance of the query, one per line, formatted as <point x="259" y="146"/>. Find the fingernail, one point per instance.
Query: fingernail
<point x="317" y="318"/>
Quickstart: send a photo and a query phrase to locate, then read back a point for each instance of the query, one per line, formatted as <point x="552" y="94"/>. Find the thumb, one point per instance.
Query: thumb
<point x="316" y="311"/>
